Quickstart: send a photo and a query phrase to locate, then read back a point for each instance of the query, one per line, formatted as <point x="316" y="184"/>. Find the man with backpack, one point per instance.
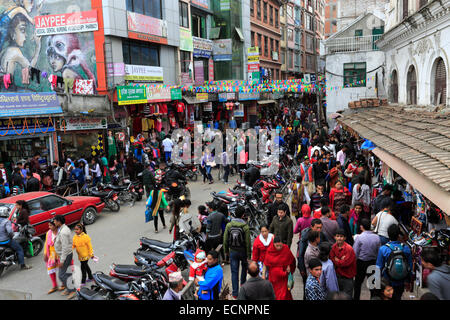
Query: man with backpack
<point x="237" y="243"/>
<point x="395" y="262"/>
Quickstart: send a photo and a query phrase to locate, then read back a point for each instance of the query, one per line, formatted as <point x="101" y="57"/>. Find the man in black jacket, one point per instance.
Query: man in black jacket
<point x="148" y="180"/>
<point x="214" y="234"/>
<point x="273" y="208"/>
<point x="256" y="288"/>
<point x="342" y="220"/>
<point x="32" y="183"/>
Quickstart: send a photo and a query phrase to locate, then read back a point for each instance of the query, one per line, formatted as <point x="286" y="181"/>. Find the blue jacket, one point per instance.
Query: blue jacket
<point x="170" y="295"/>
<point x="78" y="174"/>
<point x="383" y="255"/>
<point x="212" y="284"/>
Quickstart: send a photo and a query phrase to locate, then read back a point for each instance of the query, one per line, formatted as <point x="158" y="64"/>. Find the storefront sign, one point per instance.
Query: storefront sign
<point x="225" y="5"/>
<point x="143" y="73"/>
<point x="85" y="123"/>
<point x="202" y="47"/>
<point x="84" y="21"/>
<point x="131" y="95"/>
<point x="199" y="72"/>
<point x="226" y="96"/>
<point x="175" y="94"/>
<point x="42" y="125"/>
<point x="186" y="79"/>
<point x="275" y="55"/>
<point x="158" y="94"/>
<point x="202" y="97"/>
<point x="208" y="107"/>
<point x="186" y="43"/>
<point x="27" y="104"/>
<point x="146" y="28"/>
<point x="243" y="96"/>
<point x="240" y="111"/>
<point x="253" y="51"/>
<point x="201" y="3"/>
<point x="211" y="70"/>
<point x="222" y="50"/>
<point x="115" y="69"/>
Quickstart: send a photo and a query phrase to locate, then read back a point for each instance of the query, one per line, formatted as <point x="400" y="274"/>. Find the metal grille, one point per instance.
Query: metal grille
<point x="412" y="86"/>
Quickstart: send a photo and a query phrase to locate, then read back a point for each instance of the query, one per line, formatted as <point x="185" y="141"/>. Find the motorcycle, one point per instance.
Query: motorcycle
<point x="110" y="198"/>
<point x="31" y="246"/>
<point x="190" y="171"/>
<point x="125" y="193"/>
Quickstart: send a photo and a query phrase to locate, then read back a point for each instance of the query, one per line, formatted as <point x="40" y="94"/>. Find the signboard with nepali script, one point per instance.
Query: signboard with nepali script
<point x="29" y="104"/>
<point x="202" y="47"/>
<point x="27" y="125"/>
<point x="85" y="123"/>
<point x="84" y="21"/>
<point x="143" y="73"/>
<point x="141" y="27"/>
<point x="201" y="3"/>
<point x="158" y="94"/>
<point x="131" y="95"/>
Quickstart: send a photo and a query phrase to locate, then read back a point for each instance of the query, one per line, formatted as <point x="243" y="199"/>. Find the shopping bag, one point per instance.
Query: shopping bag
<point x="290" y="283"/>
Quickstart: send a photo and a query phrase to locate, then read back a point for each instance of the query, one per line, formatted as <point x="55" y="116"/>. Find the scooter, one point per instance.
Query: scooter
<point x="110" y="198"/>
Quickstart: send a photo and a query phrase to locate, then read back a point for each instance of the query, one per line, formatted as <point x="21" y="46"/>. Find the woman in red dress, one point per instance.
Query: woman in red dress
<point x="279" y="261"/>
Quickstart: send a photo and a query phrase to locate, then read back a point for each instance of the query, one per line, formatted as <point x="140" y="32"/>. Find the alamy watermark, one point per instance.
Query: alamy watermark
<point x="263" y="147"/>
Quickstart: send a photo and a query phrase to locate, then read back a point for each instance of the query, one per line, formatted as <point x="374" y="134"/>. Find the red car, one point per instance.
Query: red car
<point x="45" y="205"/>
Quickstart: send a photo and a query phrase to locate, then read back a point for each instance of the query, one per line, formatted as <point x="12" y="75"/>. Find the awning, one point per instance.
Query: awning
<point x="239" y="32"/>
<point x="193" y="100"/>
<point x="266" y="101"/>
<point x="414" y="143"/>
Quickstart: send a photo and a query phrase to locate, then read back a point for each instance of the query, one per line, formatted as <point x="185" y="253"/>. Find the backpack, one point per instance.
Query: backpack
<point x="397" y="266"/>
<point x="236" y="237"/>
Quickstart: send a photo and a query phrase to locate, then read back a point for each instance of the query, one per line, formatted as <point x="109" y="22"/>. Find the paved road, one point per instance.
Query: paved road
<point x="115" y="236"/>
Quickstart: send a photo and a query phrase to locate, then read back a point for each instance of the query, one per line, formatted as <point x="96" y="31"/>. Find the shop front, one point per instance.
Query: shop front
<point x="27" y="127"/>
<point x="249" y="101"/>
<point x="82" y="136"/>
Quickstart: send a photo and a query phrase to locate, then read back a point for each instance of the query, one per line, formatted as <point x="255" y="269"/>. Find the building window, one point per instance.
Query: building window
<point x="309" y="22"/>
<point x="140" y="53"/>
<point x="258" y="9"/>
<point x="185" y="60"/>
<point x="291" y="59"/>
<point x="290" y="35"/>
<point x="184" y="14"/>
<point x="276" y="46"/>
<point x="152" y="8"/>
<point x="276" y="18"/>
<point x="297" y="36"/>
<point x="358" y="33"/>
<point x="282" y="57"/>
<point x="265" y="12"/>
<point x="259" y="42"/>
<point x="271" y="15"/>
<point x="281" y="11"/>
<point x="271" y="47"/>
<point x="283" y="34"/>
<point x="309" y="42"/>
<point x="253" y="38"/>
<point x="355" y="74"/>
<point x="252" y="8"/>
<point x="199" y="26"/>
<point x="310" y="65"/>
<point x="266" y="46"/>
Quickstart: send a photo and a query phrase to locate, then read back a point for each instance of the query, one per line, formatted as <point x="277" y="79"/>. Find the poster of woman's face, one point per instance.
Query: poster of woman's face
<point x="70" y="55"/>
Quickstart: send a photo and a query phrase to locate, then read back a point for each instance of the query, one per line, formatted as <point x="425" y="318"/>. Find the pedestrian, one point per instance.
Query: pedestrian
<point x="313" y="289"/>
<point x="366" y="248"/>
<point x="209" y="289"/>
<point x="207" y="163"/>
<point x="343" y="223"/>
<point x="395" y="262"/>
<point x="105" y="168"/>
<point x="329" y="226"/>
<point x="282" y="225"/>
<point x="385" y="194"/>
<point x="50" y="257"/>
<point x="341" y="156"/>
<point x="273" y="208"/>
<point x="384" y="219"/>
<point x="216" y="222"/>
<point x="323" y="210"/>
<point x="385" y="292"/>
<point x="96" y="172"/>
<point x="344" y="260"/>
<point x="438" y="281"/>
<point x="307" y="173"/>
<point x="335" y="174"/>
<point x="63" y="248"/>
<point x="256" y="288"/>
<point x="361" y="193"/>
<point x="356" y="215"/>
<point x="148" y="180"/>
<point x="297" y="196"/>
<point x="81" y="242"/>
<point x="226" y="167"/>
<point x="305" y="220"/>
<point x="32" y="183"/>
<point x="167" y="144"/>
<point x="77" y="175"/>
<point x="175" y="218"/>
<point x="175" y="286"/>
<point x="339" y="195"/>
<point x="312" y="251"/>
<point x="328" y="279"/>
<point x="237" y="243"/>
<point x="317" y="197"/>
<point x="279" y="262"/>
<point x="22" y="213"/>
<point x="261" y="244"/>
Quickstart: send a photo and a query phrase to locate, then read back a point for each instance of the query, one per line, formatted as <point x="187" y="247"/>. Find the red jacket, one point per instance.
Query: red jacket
<point x="333" y="192"/>
<point x="346" y="267"/>
<point x="259" y="250"/>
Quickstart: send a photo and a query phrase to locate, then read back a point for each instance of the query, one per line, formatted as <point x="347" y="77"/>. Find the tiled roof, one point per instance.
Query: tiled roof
<point x="418" y="137"/>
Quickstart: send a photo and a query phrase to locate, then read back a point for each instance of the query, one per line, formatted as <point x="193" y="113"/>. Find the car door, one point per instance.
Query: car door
<point x="58" y="206"/>
<point x="39" y="217"/>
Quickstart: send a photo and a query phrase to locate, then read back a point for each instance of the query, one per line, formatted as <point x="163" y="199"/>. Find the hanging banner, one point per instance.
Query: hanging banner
<point x="211" y="70"/>
<point x="186" y="43"/>
<point x="28" y="104"/>
<point x="199" y="72"/>
<point x="82" y="21"/>
<point x="143" y="73"/>
<point x="202" y="47"/>
<point x="146" y="28"/>
<point x="131" y="95"/>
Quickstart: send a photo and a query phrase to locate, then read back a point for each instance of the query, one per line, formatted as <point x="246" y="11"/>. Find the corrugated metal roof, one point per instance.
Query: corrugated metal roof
<point x="420" y="138"/>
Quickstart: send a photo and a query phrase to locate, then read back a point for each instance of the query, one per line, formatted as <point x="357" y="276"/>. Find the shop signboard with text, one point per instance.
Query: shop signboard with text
<point x="239" y="112"/>
<point x="202" y="47"/>
<point x="175" y="94"/>
<point x="131" y="95"/>
<point x="253" y="63"/>
<point x="201" y="3"/>
<point x="211" y="70"/>
<point x="29" y="104"/>
<point x="82" y="21"/>
<point x="186" y="43"/>
<point x="85" y="123"/>
<point x="158" y="94"/>
<point x="143" y="73"/>
<point x="222" y="50"/>
<point x="27" y="125"/>
<point x="243" y="96"/>
<point x="199" y="72"/>
<point x="146" y="28"/>
<point x="202" y="97"/>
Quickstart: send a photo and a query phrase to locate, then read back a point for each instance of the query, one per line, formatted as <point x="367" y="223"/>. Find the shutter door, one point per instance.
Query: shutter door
<point x="440" y="83"/>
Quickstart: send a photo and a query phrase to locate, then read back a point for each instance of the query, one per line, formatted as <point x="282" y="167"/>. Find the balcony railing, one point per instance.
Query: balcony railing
<point x="352" y="44"/>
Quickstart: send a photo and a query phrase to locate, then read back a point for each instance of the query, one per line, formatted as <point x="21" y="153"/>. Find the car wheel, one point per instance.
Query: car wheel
<point x="89" y="216"/>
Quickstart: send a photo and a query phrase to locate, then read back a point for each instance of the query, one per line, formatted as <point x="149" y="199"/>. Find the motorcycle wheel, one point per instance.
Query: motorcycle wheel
<point x="112" y="205"/>
<point x="2" y="267"/>
<point x="193" y="177"/>
<point x="38" y="245"/>
<point x="139" y="196"/>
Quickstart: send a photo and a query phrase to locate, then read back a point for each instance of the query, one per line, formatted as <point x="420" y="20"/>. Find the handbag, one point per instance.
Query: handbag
<point x="290" y="282"/>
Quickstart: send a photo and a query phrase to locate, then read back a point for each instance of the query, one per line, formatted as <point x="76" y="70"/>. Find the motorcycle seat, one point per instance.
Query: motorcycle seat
<point x="150" y="255"/>
<point x="156" y="243"/>
<point x="100" y="194"/>
<point x="89" y="294"/>
<point x="131" y="270"/>
<point x="114" y="283"/>
<point x="117" y="188"/>
<point x="224" y="197"/>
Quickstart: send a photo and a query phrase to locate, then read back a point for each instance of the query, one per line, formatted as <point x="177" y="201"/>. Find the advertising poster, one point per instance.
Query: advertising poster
<point x="84" y="21"/>
<point x="186" y="43"/>
<point x="146" y="28"/>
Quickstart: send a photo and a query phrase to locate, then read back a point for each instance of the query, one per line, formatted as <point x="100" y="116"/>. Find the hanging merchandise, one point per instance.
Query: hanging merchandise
<point x="84" y="86"/>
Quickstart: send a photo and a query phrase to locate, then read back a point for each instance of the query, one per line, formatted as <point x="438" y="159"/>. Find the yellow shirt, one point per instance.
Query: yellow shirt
<point x="82" y="243"/>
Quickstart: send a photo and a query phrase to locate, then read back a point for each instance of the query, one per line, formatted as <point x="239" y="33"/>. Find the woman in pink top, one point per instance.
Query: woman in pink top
<point x="305" y="221"/>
